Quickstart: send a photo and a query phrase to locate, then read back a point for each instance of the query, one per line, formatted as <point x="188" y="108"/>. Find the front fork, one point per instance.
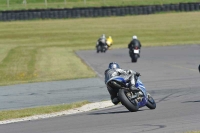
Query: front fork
<point x="138" y="95"/>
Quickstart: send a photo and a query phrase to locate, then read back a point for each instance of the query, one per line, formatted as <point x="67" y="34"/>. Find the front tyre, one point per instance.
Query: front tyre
<point x="151" y="104"/>
<point x="125" y="98"/>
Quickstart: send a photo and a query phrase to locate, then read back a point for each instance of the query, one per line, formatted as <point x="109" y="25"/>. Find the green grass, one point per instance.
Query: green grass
<point x="43" y="50"/>
<point x="20" y="113"/>
<point x="40" y="4"/>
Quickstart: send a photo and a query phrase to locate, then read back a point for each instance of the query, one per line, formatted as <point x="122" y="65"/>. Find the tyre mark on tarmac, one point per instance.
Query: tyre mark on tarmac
<point x="154" y="127"/>
<point x="164" y="98"/>
<point x="177" y="66"/>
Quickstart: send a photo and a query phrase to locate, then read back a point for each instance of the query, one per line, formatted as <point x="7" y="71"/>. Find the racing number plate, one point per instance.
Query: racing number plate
<point x="136" y="51"/>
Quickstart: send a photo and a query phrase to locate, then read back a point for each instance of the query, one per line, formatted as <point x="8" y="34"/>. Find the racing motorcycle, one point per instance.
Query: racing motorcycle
<point x="102" y="46"/>
<point x="134" y="53"/>
<point x="132" y="100"/>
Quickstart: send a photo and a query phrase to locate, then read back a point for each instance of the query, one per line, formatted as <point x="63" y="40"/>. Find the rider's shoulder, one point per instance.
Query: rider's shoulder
<point x="111" y="70"/>
<point x="107" y="70"/>
<point x="120" y="69"/>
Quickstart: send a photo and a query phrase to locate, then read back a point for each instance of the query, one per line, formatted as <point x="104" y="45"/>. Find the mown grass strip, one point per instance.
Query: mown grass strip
<point x="18" y="64"/>
<point x="12" y="114"/>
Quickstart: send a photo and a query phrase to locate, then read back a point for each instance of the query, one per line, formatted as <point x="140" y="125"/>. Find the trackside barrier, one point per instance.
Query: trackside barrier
<point x="95" y="11"/>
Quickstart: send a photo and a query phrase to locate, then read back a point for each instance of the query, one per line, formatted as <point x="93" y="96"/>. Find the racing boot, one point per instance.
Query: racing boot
<point x="115" y="100"/>
<point x="133" y="88"/>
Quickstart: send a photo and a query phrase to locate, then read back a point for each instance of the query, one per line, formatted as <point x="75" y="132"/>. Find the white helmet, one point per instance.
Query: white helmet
<point x="103" y="36"/>
<point x="134" y="37"/>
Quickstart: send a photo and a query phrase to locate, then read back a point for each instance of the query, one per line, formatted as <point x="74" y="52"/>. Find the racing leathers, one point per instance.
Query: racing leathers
<point x="129" y="75"/>
<point x="101" y="41"/>
<point x="134" y="43"/>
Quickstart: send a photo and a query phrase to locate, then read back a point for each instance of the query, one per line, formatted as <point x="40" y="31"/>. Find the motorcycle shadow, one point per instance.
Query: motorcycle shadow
<point x="197" y="101"/>
<point x="112" y="112"/>
<point x="115" y="112"/>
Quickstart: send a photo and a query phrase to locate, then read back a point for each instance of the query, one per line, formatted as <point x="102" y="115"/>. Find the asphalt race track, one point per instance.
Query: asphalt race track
<point x="169" y="73"/>
<point x="52" y="93"/>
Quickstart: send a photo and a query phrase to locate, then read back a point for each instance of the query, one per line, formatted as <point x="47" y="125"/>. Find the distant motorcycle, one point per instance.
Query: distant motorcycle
<point x="134" y="53"/>
<point x="132" y="100"/>
<point x="102" y="47"/>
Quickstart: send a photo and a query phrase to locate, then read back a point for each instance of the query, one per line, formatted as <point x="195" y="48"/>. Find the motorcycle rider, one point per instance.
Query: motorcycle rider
<point x="129" y="75"/>
<point x="102" y="40"/>
<point x="134" y="42"/>
<point x="109" y="41"/>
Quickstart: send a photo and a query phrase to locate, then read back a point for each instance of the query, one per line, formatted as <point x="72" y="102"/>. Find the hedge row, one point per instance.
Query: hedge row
<point x="95" y="12"/>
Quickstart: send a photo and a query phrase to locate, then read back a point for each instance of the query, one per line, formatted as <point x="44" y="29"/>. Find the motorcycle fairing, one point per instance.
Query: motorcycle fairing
<point x="140" y="85"/>
<point x="117" y="78"/>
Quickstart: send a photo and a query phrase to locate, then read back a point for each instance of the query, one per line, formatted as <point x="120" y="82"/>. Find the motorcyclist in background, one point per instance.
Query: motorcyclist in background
<point x="134" y="42"/>
<point x="109" y="41"/>
<point x="129" y="75"/>
<point x="102" y="40"/>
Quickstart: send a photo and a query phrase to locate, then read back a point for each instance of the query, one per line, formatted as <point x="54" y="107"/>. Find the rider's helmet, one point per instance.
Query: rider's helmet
<point x="113" y="65"/>
<point x="103" y="36"/>
<point x="134" y="37"/>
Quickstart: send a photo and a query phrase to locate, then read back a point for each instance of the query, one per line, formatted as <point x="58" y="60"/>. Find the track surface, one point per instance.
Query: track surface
<point x="50" y="93"/>
<point x="169" y="73"/>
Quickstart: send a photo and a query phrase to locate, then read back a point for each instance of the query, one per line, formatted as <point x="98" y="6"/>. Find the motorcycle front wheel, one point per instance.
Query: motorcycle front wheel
<point x="151" y="104"/>
<point x="126" y="99"/>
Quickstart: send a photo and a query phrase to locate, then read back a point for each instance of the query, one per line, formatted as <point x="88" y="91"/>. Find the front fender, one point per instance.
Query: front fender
<point x="140" y="86"/>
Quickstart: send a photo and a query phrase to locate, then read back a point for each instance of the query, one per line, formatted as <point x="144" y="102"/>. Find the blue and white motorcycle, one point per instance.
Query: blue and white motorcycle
<point x="132" y="100"/>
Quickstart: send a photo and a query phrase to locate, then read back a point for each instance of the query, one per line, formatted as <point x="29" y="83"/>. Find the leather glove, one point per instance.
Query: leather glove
<point x="138" y="74"/>
<point x="129" y="71"/>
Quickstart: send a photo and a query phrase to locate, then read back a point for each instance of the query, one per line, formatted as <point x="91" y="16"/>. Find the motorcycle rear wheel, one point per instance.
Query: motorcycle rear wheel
<point x="98" y="49"/>
<point x="134" y="58"/>
<point x="125" y="99"/>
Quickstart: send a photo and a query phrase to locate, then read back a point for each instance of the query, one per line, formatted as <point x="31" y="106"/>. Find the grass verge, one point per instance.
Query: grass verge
<point x="43" y="50"/>
<point x="12" y="114"/>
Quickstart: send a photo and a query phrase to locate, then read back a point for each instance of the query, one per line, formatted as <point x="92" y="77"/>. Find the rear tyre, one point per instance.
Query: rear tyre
<point x="125" y="98"/>
<point x="104" y="50"/>
<point x="98" y="49"/>
<point x="133" y="59"/>
<point x="151" y="104"/>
